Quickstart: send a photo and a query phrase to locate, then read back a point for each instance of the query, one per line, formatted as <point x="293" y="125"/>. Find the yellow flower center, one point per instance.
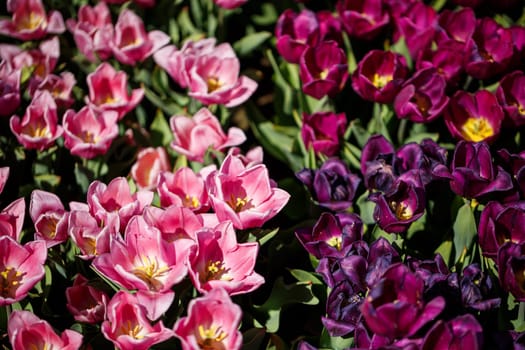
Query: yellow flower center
<point x="237" y="203"/>
<point x="323" y="74"/>
<point x="40" y="347"/>
<point x="215" y="270"/>
<point x="150" y="271"/>
<point x="135" y="331"/>
<point x="49" y="229"/>
<point x="211" y="338"/>
<point x="88" y="137"/>
<point x="9" y="282"/>
<point x="213" y="84"/>
<point x="476" y="129"/>
<point x="380" y="81"/>
<point x="401" y="210"/>
<point x="335" y="242"/>
<point x="191" y="202"/>
<point x="31" y="21"/>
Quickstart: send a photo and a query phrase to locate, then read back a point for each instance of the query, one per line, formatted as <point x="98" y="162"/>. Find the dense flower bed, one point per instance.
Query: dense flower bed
<point x="227" y="174"/>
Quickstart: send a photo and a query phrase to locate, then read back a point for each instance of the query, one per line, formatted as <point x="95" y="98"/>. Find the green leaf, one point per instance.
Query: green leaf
<point x="161" y="134"/>
<point x="445" y="250"/>
<point x="268" y="15"/>
<point x="306" y="277"/>
<point x="401" y="47"/>
<point x="366" y="208"/>
<point x="261" y="236"/>
<point x="250" y="42"/>
<point x="253" y="338"/>
<point x="464" y="230"/>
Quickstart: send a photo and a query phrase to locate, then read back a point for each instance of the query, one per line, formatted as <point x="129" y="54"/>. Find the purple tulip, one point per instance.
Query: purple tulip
<point x="462" y="332"/>
<point x="381" y="256"/>
<point x="515" y="164"/>
<point x="331" y="235"/>
<point x="363" y="19"/>
<point x="474" y="175"/>
<point x="343" y="312"/>
<point x="330" y="27"/>
<point x="351" y="268"/>
<point x="447" y="59"/>
<point x="395" y="307"/>
<point x="474" y="117"/>
<point x="295" y="32"/>
<point x="401" y="205"/>
<point x="511" y="266"/>
<point x="422" y="98"/>
<point x="323" y="131"/>
<point x="379" y="75"/>
<point x="323" y="69"/>
<point x="511" y="96"/>
<point x="456" y="25"/>
<point x="500" y="223"/>
<point x="430" y="271"/>
<point x="490" y="50"/>
<point x="477" y="290"/>
<point x="377" y="160"/>
<point x="332" y="186"/>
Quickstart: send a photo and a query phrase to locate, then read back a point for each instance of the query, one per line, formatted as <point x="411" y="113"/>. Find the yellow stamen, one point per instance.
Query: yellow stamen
<point x="191" y="202"/>
<point x="336" y="242"/>
<point x="477" y="129"/>
<point x="208" y="338"/>
<point x="380" y="81"/>
<point x="133" y="330"/>
<point x="31" y="21"/>
<point x="237" y="203"/>
<point x="401" y="210"/>
<point x="215" y="270"/>
<point x="9" y="282"/>
<point x="213" y="84"/>
<point x="150" y="271"/>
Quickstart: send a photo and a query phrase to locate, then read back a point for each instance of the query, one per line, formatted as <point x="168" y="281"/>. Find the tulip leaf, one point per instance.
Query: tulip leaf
<point x="401" y="47"/>
<point x="161" y="134"/>
<point x="253" y="338"/>
<point x="445" y="250"/>
<point x="250" y="42"/>
<point x="334" y="343"/>
<point x="281" y="295"/>
<point x="267" y="17"/>
<point x="464" y="230"/>
<point x="305" y="276"/>
<point x="366" y="209"/>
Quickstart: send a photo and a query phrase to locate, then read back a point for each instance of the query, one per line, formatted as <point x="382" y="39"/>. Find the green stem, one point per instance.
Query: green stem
<point x="401" y="131"/>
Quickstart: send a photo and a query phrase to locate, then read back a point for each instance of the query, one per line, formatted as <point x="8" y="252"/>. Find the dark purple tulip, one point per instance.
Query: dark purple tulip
<point x="430" y="271"/>
<point x="422" y="98"/>
<point x="401" y="205"/>
<point x="379" y="75"/>
<point x="343" y="312"/>
<point x="490" y="50"/>
<point x="456" y="25"/>
<point x="331" y="235"/>
<point x="394" y="307"/>
<point x="515" y="164"/>
<point x="474" y="117"/>
<point x="305" y="346"/>
<point x="377" y="160"/>
<point x="330" y="27"/>
<point x="474" y="175"/>
<point x="518" y="38"/>
<point x="323" y="131"/>
<point x="447" y="59"/>
<point x="500" y="223"/>
<point x="363" y="340"/>
<point x="295" y="32"/>
<point x="434" y="164"/>
<point x="9" y="89"/>
<point x="477" y="290"/>
<point x="351" y="268"/>
<point x="381" y="256"/>
<point x="416" y="26"/>
<point x="323" y="69"/>
<point x="332" y="186"/>
<point x="362" y="19"/>
<point x="511" y="269"/>
<point x="511" y="96"/>
<point x="462" y="332"/>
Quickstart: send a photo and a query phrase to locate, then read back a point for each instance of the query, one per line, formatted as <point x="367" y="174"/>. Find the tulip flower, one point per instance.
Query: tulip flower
<point x="379" y="75"/>
<point x="416" y="26"/>
<point x="212" y="323"/>
<point x="474" y="117"/>
<point x="12" y="219"/>
<point x="93" y="31"/>
<point x="108" y="91"/>
<point x="49" y="217"/>
<point x="511" y="268"/>
<point x="343" y="310"/>
<point x="131" y="43"/>
<point x="458" y="26"/>
<point x="38" y="128"/>
<point x="174" y="222"/>
<point x="183" y="188"/>
<point x="323" y="69"/>
<point x="230" y="4"/>
<point x="462" y="332"/>
<point x="220" y="262"/>
<point x="4" y="175"/>
<point x="193" y="136"/>
<point x="90" y="235"/>
<point x="9" y="90"/>
<point x="60" y="87"/>
<point x="323" y="131"/>
<point x="127" y="325"/>
<point x="85" y="302"/>
<point x="511" y="97"/>
<point x="295" y="32"/>
<point x="30" y="21"/>
<point x="515" y="163"/>
<point x="27" y="331"/>
<point x="363" y="19"/>
<point x="477" y="290"/>
<point x="21" y="268"/>
<point x="88" y="133"/>
<point x="150" y="163"/>
<point x="446" y="58"/>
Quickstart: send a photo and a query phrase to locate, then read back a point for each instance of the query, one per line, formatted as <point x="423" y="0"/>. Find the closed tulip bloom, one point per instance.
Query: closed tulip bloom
<point x="323" y="131"/>
<point x="363" y="19"/>
<point x="150" y="163"/>
<point x="379" y="75"/>
<point x="49" y="217"/>
<point x="27" y="331"/>
<point x="474" y="117"/>
<point x="85" y="302"/>
<point x="323" y="70"/>
<point x="462" y="332"/>
<point x="295" y="32"/>
<point x="90" y="235"/>
<point x="212" y="323"/>
<point x="511" y="96"/>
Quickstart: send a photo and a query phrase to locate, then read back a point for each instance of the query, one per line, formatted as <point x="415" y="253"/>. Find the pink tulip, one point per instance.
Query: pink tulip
<point x="253" y="157"/>
<point x="21" y="268"/>
<point x="49" y="217"/>
<point x="143" y="3"/>
<point x="128" y="326"/>
<point x="246" y="196"/>
<point x="88" y="133"/>
<point x="214" y="79"/>
<point x="93" y="31"/>
<point x="143" y="260"/>
<point x="183" y="188"/>
<point x="86" y="303"/>
<point x="30" y="21"/>
<point x="9" y="89"/>
<point x="27" y="331"/>
<point x="194" y="136"/>
<point x="12" y="219"/>
<point x="131" y="43"/>
<point x="148" y="166"/>
<point x="38" y="129"/>
<point x="220" y="262"/>
<point x="90" y="235"/>
<point x="212" y="323"/>
<point x="174" y="222"/>
<point x="4" y="174"/>
<point x="116" y="199"/>
<point x="108" y="91"/>
<point x="230" y="4"/>
<point x="60" y="87"/>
